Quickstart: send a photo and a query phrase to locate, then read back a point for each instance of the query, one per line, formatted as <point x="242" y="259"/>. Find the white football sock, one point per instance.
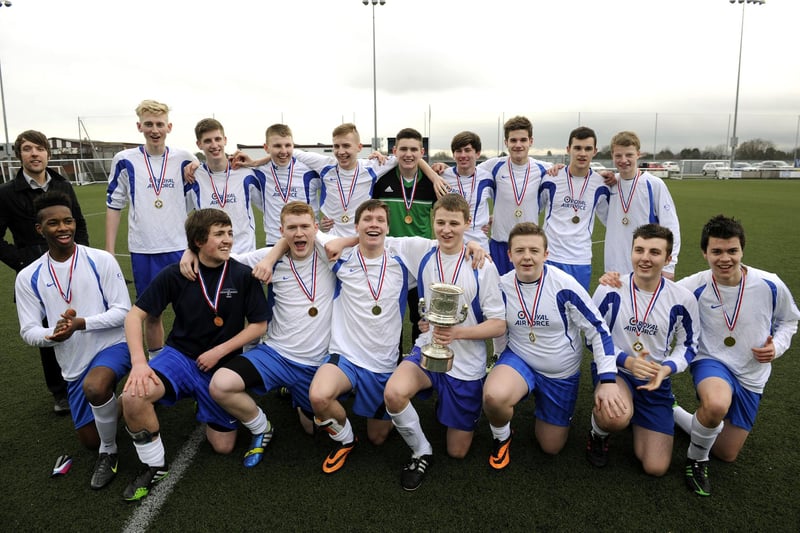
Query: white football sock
<point x="105" y="419"/>
<point x="702" y="440"/>
<point x="409" y="427"/>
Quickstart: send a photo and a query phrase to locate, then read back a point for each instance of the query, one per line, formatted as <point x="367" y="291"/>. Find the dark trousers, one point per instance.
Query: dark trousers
<point x="413" y="317"/>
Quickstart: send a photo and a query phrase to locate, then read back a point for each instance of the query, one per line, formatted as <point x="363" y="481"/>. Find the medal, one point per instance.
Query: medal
<point x="408" y="200"/>
<point x="626" y="203"/>
<point x="519" y="195"/>
<point x="284" y="197"/>
<point x="729" y="341"/>
<point x="730" y="321"/>
<point x="157" y="186"/>
<point x="65" y="295"/>
<point x="346" y="200"/>
<point x="530" y="315"/>
<point x="578" y="202"/>
<point x="222" y="198"/>
<point x="311" y="294"/>
<point x="213" y="305"/>
<point x="640" y="324"/>
<point x="376" y="293"/>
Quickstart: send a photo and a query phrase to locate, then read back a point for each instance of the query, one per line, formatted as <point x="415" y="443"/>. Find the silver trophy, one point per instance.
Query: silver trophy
<point x="443" y="312"/>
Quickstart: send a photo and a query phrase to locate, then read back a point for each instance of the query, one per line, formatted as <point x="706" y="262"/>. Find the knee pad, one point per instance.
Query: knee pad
<point x="141" y="437"/>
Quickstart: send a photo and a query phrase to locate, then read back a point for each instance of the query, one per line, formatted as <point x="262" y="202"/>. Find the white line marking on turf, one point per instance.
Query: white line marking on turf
<point x="149" y="507"/>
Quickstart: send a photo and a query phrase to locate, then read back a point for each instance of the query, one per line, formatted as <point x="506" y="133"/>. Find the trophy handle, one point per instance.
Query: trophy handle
<point x="464" y="313"/>
<point x="421" y="307"/>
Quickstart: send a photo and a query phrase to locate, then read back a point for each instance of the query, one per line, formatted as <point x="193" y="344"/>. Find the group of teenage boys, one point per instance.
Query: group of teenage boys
<point x="336" y="300"/>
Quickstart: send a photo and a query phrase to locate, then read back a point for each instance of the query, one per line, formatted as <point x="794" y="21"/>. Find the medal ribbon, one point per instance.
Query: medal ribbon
<point x="518" y="196"/>
<point x="164" y="158"/>
<point x="213" y="304"/>
<point x="458" y="265"/>
<point x="652" y="303"/>
<point x="346" y="202"/>
<point x="375" y="294"/>
<point x="626" y="204"/>
<point x="408" y="201"/>
<point x="572" y="190"/>
<point x="312" y="293"/>
<point x="67" y="296"/>
<point x="532" y="315"/>
<point x="285" y="197"/>
<point x="221" y="200"/>
<point x="730" y="321"/>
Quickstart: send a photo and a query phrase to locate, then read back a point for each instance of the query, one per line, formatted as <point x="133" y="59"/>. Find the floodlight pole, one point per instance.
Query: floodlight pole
<point x="374" y="74"/>
<point x="6" y="150"/>
<point x="734" y="140"/>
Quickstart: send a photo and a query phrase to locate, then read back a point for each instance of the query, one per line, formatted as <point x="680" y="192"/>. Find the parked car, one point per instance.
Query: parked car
<point x="774" y="164"/>
<point x="651" y="164"/>
<point x="672" y="167"/>
<point x="713" y="168"/>
<point x="742" y="166"/>
<point x="597" y="166"/>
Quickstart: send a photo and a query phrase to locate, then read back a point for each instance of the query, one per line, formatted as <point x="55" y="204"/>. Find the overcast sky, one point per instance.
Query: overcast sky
<point x="666" y="69"/>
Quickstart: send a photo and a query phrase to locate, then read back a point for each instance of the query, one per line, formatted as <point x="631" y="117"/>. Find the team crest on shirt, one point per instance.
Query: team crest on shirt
<point x="229" y="292"/>
<point x="540" y="320"/>
<point x="573" y="203"/>
<point x="641" y="327"/>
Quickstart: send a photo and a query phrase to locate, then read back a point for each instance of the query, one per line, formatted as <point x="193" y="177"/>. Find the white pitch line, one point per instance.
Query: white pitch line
<point x="149" y="507"/>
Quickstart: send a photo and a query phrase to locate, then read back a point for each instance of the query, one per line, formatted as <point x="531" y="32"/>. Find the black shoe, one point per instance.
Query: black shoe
<point x="61" y="406"/>
<point x="697" y="477"/>
<point x="414" y="472"/>
<point x="597" y="450"/>
<point x="501" y="456"/>
<point x="140" y="487"/>
<point x="104" y="470"/>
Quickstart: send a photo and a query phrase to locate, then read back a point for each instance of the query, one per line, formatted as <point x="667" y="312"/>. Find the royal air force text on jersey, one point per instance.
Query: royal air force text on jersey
<point x="641" y="327"/>
<point x="574" y="203"/>
<point x="539" y="321"/>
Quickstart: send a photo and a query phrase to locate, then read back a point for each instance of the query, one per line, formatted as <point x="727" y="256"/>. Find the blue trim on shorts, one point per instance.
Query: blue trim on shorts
<point x="367" y="387"/>
<point x="582" y="273"/>
<point x="744" y="403"/>
<point x="499" y="252"/>
<point x="115" y="357"/>
<point x="188" y="381"/>
<point x="145" y="267"/>
<point x="459" y="402"/>
<point x="555" y="398"/>
<point x="277" y="371"/>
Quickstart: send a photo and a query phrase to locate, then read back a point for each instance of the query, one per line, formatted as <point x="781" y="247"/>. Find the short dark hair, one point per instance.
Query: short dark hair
<point x="371" y="205"/>
<point x="199" y="222"/>
<point x="452" y="202"/>
<point x="280" y="130"/>
<point x="526" y="228"/>
<point x="580" y="133"/>
<point x="464" y="139"/>
<point x="206" y="125"/>
<point x="721" y="227"/>
<point x="655" y="231"/>
<point x="36" y="137"/>
<point x="517" y="123"/>
<point x="50" y="199"/>
<point x="409" y="133"/>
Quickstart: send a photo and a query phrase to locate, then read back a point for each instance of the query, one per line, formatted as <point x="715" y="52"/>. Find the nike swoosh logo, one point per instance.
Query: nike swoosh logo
<point x="716" y="306"/>
<point x="50" y="285"/>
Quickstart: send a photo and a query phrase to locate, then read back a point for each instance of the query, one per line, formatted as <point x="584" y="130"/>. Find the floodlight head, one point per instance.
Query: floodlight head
<point x="365" y="2"/>
<point x="6" y="3"/>
<point x="383" y="2"/>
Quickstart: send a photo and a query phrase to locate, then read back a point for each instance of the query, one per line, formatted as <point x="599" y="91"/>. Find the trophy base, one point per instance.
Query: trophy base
<point x="436" y="358"/>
